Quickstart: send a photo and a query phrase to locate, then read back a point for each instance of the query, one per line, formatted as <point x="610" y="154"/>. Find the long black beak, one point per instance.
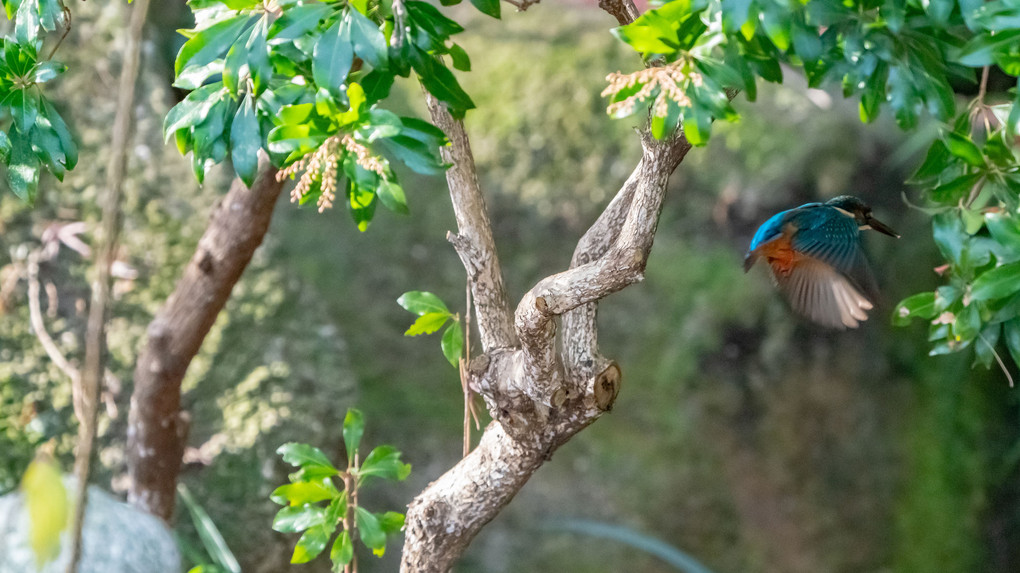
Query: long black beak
<point x="881" y="227"/>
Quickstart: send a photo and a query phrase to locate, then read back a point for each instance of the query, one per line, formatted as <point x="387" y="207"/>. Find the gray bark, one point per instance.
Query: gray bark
<point x="539" y="395"/>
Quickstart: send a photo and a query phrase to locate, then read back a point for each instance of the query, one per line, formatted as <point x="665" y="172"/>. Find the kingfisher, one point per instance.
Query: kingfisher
<point x="816" y="259"/>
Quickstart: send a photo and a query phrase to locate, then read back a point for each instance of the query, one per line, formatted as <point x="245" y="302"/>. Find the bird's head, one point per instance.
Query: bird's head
<point x="853" y="207"/>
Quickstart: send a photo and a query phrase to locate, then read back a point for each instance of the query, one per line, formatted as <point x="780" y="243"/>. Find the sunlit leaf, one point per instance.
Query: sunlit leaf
<point x="308" y="458"/>
<point x="384" y="462"/>
<point x="427" y="323"/>
<point x="369" y="529"/>
<point x="453" y="342"/>
<point x="354" y="428"/>
<point x="422" y="302"/>
<point x="999" y="282"/>
<point x="921" y="305"/>
<point x="294" y="519"/>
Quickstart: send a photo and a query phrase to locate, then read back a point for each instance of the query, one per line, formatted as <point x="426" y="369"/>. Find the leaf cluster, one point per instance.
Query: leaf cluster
<point x="315" y="505"/>
<point x="287" y="78"/>
<point x="971" y="174"/>
<point x="903" y="54"/>
<point x="432" y="315"/>
<point x="36" y="135"/>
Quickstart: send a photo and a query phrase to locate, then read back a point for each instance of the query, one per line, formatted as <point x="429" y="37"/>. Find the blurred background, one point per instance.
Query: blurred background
<point x="743" y="437"/>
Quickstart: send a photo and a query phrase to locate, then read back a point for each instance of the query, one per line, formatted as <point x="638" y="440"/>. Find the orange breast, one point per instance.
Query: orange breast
<point x="780" y="255"/>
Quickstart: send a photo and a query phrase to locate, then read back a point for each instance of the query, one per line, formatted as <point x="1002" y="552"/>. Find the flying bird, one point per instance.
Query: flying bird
<point x="816" y="259"/>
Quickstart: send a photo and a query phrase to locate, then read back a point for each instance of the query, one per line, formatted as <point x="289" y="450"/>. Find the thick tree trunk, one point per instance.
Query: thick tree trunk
<point x="156" y="426"/>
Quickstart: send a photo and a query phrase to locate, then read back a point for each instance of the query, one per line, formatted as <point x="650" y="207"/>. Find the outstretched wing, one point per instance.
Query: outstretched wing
<point x="821" y="293"/>
<point x="831" y="237"/>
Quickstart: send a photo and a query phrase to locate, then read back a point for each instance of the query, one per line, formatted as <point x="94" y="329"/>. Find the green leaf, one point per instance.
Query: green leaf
<point x="453" y="343"/>
<point x="1004" y="229"/>
<point x="697" y="127"/>
<point x="26" y="24"/>
<point x="422" y="302"/>
<point x="343" y="550"/>
<point x="245" y="141"/>
<point x="921" y="305"/>
<point x="417" y="155"/>
<point x="294" y="519"/>
<point x="369" y="529"/>
<point x="212" y="540"/>
<point x="984" y="349"/>
<point x="5" y="147"/>
<point x="192" y="110"/>
<point x="963" y="147"/>
<point x="368" y="40"/>
<point x="297" y="21"/>
<point x="46" y="71"/>
<point x="293" y="141"/>
<point x="981" y="49"/>
<point x="488" y="7"/>
<point x="311" y="544"/>
<point x="656" y="31"/>
<point x="307" y="458"/>
<point x="776" y="21"/>
<point x="935" y="162"/>
<point x="391" y="522"/>
<point x="377" y="85"/>
<point x="461" y="61"/>
<point x="734" y="14"/>
<point x="440" y="82"/>
<point x="947" y="230"/>
<point x="332" y="58"/>
<point x="951" y="192"/>
<point x="1011" y="330"/>
<point x="354" y="428"/>
<point x="355" y="99"/>
<point x="301" y="493"/>
<point x="392" y="196"/>
<point x="211" y="43"/>
<point x="237" y="58"/>
<point x="999" y="282"/>
<point x="259" y="66"/>
<point x="967" y="324"/>
<point x="67" y="144"/>
<point x="24" y="108"/>
<point x="23" y="168"/>
<point x="428" y="323"/>
<point x="384" y="462"/>
<point x="47" y="146"/>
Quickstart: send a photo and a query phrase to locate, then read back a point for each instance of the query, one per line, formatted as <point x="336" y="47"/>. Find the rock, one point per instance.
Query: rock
<point x="117" y="539"/>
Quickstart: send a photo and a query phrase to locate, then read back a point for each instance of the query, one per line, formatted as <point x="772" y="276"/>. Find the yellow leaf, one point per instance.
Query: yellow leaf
<point x="48" y="507"/>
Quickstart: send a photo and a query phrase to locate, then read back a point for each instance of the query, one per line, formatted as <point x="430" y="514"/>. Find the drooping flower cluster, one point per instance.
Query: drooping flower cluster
<point x="321" y="167"/>
<point x="670" y="80"/>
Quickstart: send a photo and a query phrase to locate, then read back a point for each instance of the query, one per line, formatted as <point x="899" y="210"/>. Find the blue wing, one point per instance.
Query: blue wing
<point x="826" y="234"/>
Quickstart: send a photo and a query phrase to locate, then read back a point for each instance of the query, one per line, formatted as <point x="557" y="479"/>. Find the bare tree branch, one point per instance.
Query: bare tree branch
<point x="523" y="385"/>
<point x="622" y="264"/>
<point x="624" y="11"/>
<point x="39" y="326"/>
<point x="95" y="334"/>
<point x="580" y="337"/>
<point x="473" y="241"/>
<point x="156" y="427"/>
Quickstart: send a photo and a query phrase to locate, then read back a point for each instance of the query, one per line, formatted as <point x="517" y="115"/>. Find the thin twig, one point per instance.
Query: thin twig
<point x="95" y="341"/>
<point x="998" y="359"/>
<point x="35" y="315"/>
<point x="983" y="88"/>
<point x="67" y="30"/>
